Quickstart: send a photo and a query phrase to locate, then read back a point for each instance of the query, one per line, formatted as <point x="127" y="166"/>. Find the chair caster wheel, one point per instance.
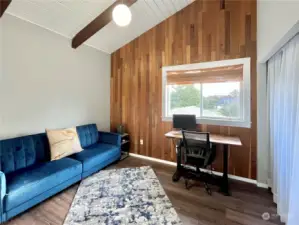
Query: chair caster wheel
<point x="209" y="192"/>
<point x="208" y="189"/>
<point x="186" y="184"/>
<point x="176" y="177"/>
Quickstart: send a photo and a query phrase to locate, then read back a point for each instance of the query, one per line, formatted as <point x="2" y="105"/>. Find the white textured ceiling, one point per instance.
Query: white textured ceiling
<point x="68" y="17"/>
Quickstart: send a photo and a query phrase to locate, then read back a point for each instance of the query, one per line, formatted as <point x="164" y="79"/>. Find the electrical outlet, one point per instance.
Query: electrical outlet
<point x="141" y="141"/>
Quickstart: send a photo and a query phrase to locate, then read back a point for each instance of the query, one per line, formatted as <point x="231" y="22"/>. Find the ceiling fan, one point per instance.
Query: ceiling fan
<point x="119" y="12"/>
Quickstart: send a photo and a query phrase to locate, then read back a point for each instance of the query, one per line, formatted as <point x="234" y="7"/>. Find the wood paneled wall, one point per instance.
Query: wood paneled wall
<point x="200" y="32"/>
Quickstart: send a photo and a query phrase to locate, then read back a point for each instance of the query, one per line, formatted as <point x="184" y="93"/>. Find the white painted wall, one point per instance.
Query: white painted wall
<point x="44" y="83"/>
<point x="274" y="19"/>
<point x="277" y="23"/>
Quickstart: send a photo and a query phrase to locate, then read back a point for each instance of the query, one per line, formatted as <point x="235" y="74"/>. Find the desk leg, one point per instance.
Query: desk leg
<point x="177" y="175"/>
<point x="224" y="188"/>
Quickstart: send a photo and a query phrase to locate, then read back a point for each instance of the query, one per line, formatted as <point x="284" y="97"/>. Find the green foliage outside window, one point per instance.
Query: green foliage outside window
<point x="185" y="95"/>
<point x="188" y="95"/>
<point x="233" y="108"/>
<point x="210" y="102"/>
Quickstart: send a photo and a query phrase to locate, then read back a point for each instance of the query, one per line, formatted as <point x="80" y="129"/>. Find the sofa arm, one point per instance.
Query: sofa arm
<point x="110" y="138"/>
<point x="2" y="193"/>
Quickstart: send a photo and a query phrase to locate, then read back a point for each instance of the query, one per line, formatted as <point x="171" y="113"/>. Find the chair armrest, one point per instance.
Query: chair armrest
<point x="2" y="193"/>
<point x="110" y="138"/>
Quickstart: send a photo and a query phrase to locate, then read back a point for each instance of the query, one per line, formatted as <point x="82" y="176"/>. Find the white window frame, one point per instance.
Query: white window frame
<point x="245" y="111"/>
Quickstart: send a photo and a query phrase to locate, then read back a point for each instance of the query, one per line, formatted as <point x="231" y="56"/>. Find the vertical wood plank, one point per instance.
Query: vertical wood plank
<point x="202" y="31"/>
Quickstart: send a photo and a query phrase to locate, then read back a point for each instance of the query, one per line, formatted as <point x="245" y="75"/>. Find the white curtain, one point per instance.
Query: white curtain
<point x="283" y="111"/>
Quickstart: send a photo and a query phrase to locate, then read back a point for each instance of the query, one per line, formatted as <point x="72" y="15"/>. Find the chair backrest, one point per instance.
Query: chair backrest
<point x="197" y="145"/>
<point x="22" y="152"/>
<point x="88" y="134"/>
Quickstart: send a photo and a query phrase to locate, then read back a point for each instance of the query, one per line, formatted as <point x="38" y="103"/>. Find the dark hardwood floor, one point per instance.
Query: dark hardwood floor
<point x="194" y="206"/>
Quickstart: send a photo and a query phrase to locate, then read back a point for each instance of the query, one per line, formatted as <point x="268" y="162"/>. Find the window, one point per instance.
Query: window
<point x="218" y="93"/>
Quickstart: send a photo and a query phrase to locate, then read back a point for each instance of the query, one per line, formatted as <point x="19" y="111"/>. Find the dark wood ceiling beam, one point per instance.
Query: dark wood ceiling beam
<point x="98" y="23"/>
<point x="3" y="6"/>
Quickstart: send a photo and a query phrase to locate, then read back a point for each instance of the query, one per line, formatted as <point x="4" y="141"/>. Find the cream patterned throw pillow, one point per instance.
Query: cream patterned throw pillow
<point x="63" y="142"/>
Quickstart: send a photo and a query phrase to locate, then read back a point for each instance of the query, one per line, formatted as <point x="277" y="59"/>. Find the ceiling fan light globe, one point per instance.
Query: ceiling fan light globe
<point x="122" y="15"/>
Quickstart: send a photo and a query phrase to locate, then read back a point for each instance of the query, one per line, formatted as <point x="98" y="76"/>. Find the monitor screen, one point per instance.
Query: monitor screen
<point x="185" y="122"/>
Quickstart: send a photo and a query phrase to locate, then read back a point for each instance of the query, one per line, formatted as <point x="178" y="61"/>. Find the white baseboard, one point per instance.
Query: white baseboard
<point x="153" y="159"/>
<point x="262" y="185"/>
<point x="284" y="218"/>
<point x="243" y="179"/>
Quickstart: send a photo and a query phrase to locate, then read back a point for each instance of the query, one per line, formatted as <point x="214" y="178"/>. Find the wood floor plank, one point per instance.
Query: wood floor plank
<point x="194" y="206"/>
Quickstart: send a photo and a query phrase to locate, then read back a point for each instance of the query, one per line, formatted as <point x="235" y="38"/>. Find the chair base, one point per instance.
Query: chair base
<point x="195" y="176"/>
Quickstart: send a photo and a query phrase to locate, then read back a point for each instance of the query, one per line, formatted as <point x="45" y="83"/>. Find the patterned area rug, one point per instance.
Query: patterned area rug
<point x="122" y="196"/>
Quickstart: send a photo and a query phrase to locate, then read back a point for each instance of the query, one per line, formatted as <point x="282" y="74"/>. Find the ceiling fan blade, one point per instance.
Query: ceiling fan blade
<point x="98" y="23"/>
<point x="3" y="6"/>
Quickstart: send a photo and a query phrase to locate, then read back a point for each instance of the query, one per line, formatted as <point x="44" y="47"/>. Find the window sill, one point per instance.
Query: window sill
<point x="219" y="122"/>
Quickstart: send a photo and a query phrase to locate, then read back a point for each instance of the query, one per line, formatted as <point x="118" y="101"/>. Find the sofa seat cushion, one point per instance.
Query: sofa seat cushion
<point x="96" y="154"/>
<point x="23" y="185"/>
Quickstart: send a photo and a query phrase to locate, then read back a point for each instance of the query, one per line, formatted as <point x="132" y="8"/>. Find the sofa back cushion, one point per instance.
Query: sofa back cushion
<point x="21" y="152"/>
<point x="88" y="134"/>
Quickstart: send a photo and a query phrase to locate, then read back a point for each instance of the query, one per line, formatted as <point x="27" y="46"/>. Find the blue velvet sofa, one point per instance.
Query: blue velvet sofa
<point x="27" y="176"/>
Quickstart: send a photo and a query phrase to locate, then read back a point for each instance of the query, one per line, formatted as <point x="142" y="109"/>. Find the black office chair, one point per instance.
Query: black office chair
<point x="198" y="153"/>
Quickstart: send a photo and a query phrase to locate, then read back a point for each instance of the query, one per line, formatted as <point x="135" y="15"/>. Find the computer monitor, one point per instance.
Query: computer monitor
<point x="184" y="122"/>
